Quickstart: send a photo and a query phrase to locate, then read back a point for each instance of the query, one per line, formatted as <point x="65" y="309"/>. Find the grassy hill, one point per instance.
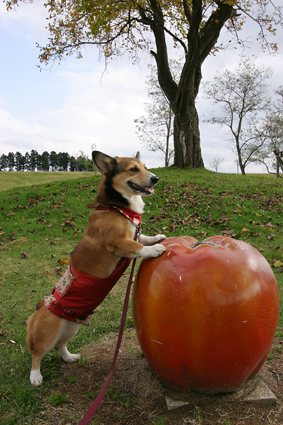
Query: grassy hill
<point x="43" y="215"/>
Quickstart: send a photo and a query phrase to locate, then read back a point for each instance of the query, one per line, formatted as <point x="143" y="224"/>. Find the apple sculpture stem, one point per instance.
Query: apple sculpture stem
<point x="205" y="313"/>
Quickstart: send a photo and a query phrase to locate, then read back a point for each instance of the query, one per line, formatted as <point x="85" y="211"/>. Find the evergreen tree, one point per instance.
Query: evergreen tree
<point x="33" y="160"/>
<point x="11" y="161"/>
<point x="27" y="161"/>
<point x="3" y="162"/>
<point x="45" y="161"/>
<point x="53" y="161"/>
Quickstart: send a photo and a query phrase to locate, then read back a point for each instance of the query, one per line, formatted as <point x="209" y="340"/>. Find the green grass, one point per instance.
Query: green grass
<point x="41" y="223"/>
<point x="10" y="179"/>
<point x="56" y="399"/>
<point x="161" y="421"/>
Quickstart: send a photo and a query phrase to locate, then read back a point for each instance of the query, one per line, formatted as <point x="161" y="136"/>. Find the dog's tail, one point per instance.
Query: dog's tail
<point x="39" y="305"/>
<point x="30" y="325"/>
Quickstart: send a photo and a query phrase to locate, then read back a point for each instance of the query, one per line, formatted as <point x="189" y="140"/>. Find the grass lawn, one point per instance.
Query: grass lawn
<point x="10" y="179"/>
<point x="43" y="216"/>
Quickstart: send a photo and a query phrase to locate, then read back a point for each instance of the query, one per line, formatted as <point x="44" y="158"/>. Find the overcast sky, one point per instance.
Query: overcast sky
<point x="76" y="105"/>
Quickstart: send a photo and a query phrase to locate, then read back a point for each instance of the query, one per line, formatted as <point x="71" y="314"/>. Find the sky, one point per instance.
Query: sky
<point x="78" y="105"/>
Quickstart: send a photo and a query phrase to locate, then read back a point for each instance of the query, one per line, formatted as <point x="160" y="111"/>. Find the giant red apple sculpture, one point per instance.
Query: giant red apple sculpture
<point x="206" y="313"/>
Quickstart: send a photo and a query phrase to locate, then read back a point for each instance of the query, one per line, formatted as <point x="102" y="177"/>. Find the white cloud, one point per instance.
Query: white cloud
<point x="28" y="21"/>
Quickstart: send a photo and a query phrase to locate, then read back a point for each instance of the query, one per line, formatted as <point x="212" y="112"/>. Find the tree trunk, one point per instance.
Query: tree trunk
<point x="167" y="151"/>
<point x="187" y="139"/>
<point x="240" y="161"/>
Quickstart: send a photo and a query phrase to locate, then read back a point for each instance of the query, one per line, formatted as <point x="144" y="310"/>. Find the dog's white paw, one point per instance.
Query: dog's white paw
<point x="72" y="358"/>
<point x="160" y="238"/>
<point x="35" y="377"/>
<point x="66" y="356"/>
<point x="151" y="240"/>
<point x="152" y="251"/>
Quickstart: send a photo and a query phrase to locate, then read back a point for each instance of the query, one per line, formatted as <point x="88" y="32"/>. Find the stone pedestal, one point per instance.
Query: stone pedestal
<point x="253" y="391"/>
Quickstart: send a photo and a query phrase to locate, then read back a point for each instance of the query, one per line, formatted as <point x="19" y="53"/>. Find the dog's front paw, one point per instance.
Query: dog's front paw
<point x="152" y="251"/>
<point x="160" y="238"/>
<point x="35" y="377"/>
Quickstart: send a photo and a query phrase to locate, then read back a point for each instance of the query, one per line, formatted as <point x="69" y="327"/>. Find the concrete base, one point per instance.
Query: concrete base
<point x="253" y="391"/>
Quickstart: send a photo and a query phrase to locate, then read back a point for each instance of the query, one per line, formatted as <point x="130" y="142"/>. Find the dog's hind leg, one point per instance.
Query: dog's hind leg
<point x="68" y="330"/>
<point x="40" y="347"/>
<point x="35" y="374"/>
<point x="41" y="336"/>
<point x="66" y="355"/>
<point x="44" y="332"/>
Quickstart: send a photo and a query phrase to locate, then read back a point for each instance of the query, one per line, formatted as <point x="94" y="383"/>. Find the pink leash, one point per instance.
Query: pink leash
<point x="85" y="420"/>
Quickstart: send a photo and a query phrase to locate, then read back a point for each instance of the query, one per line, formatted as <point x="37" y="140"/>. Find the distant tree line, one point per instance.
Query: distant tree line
<point x="33" y="161"/>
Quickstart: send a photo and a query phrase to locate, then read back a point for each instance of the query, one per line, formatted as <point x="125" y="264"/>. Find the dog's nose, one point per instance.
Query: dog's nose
<point x="154" y="179"/>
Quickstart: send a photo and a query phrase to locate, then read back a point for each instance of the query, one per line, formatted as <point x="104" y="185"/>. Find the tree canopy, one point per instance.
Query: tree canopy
<point x="124" y="26"/>
<point x="130" y="26"/>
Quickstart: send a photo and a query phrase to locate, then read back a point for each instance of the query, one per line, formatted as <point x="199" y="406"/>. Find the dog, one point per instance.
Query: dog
<point x="111" y="240"/>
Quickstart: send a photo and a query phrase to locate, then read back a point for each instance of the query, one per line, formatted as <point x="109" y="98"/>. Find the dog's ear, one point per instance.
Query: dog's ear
<point x="103" y="162"/>
<point x="138" y="156"/>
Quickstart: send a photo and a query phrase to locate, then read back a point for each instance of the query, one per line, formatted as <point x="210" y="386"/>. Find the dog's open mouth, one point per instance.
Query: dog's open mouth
<point x="147" y="190"/>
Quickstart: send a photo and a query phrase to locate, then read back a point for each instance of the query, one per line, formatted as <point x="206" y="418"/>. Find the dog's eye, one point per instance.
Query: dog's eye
<point x="134" y="169"/>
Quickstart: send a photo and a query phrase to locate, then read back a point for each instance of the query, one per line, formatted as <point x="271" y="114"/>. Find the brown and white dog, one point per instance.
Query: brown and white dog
<point x="102" y="255"/>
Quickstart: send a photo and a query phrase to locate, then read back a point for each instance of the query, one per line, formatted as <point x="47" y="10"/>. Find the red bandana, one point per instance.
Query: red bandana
<point x="134" y="217"/>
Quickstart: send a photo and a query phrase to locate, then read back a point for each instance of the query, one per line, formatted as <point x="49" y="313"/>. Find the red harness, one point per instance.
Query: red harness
<point x="77" y="294"/>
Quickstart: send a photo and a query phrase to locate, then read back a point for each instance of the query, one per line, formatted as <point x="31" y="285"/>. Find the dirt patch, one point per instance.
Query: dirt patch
<point x="136" y="396"/>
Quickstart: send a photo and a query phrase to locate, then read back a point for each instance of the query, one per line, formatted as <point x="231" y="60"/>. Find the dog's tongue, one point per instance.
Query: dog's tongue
<point x="150" y="190"/>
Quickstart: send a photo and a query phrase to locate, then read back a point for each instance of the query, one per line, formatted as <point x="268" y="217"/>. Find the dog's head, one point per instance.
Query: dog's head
<point x="123" y="178"/>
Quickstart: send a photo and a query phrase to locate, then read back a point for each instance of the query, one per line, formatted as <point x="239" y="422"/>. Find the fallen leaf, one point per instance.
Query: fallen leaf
<point x="63" y="261"/>
<point x="204" y="234"/>
<point x="278" y="263"/>
<point x="77" y="232"/>
<point x="230" y="233"/>
<point x="59" y="269"/>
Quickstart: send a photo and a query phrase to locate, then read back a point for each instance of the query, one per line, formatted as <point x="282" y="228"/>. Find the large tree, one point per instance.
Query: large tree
<point x="127" y="26"/>
<point x="270" y="132"/>
<point x="242" y="96"/>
